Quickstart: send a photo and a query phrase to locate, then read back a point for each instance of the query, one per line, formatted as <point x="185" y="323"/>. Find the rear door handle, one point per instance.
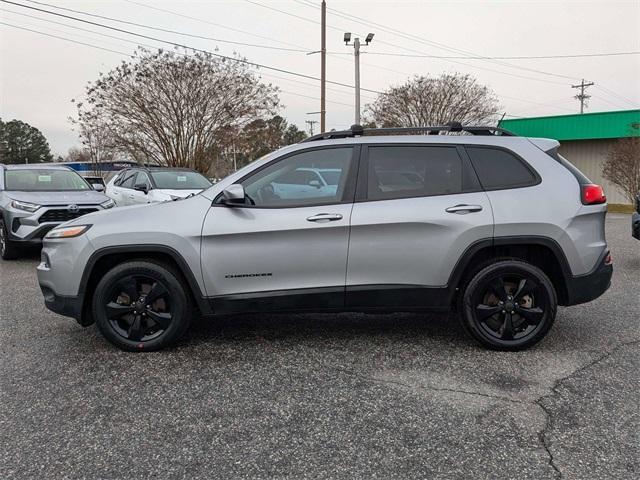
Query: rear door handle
<point x="324" y="217"/>
<point x="464" y="209"/>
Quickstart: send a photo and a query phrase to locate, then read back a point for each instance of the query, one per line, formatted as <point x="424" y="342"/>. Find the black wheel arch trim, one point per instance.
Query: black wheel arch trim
<point x="574" y="284"/>
<point x="182" y="264"/>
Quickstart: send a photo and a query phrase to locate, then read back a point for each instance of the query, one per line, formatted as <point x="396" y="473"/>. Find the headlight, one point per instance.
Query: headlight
<point x="29" y="207"/>
<point x="108" y="204"/>
<point x="67" y="232"/>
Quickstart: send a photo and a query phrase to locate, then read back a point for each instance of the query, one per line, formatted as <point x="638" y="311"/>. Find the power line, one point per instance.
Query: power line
<point x="65" y="39"/>
<point x="129" y="55"/>
<point x="471" y="55"/>
<point x="165" y="30"/>
<point x="208" y="22"/>
<point x="226" y="57"/>
<point x="519" y="57"/>
<point x="47" y="20"/>
<point x="402" y="47"/>
<point x="616" y="95"/>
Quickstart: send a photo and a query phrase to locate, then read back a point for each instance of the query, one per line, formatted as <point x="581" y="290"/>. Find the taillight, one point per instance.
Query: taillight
<point x="593" y="194"/>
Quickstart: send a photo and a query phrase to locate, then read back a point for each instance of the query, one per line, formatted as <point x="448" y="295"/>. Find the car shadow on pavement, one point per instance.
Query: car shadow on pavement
<point x="323" y="326"/>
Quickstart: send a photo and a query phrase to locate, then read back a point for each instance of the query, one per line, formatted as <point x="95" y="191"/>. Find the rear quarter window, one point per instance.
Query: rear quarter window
<point x="500" y="169"/>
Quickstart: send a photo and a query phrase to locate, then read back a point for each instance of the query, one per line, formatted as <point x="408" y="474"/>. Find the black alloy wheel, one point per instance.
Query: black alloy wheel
<point x="509" y="305"/>
<point x="139" y="308"/>
<point x="142" y="305"/>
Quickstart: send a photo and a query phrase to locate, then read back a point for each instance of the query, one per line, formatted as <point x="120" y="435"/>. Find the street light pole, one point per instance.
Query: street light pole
<point x="356" y="54"/>
<point x="323" y="68"/>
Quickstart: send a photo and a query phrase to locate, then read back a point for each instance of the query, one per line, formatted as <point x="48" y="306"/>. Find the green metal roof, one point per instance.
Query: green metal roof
<point x="587" y="126"/>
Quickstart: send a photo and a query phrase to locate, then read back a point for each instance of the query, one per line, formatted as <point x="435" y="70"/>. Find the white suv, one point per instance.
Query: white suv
<point x="499" y="227"/>
<point x="142" y="185"/>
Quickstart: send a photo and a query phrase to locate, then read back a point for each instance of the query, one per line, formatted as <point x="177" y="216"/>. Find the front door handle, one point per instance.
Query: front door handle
<point x="324" y="217"/>
<point x="463" y="209"/>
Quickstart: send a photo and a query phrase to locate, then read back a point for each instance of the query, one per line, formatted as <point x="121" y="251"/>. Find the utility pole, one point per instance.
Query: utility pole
<point x="233" y="152"/>
<point x="323" y="69"/>
<point x="583" y="97"/>
<point x="356" y="52"/>
<point x="311" y="123"/>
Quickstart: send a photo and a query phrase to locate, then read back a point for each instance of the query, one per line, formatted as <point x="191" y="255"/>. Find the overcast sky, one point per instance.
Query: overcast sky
<point x="39" y="75"/>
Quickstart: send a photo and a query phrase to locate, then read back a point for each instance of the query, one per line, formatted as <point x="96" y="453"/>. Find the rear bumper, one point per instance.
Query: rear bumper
<point x="635" y="225"/>
<point x="588" y="287"/>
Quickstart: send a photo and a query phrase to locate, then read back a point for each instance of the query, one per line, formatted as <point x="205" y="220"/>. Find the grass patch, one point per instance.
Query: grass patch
<point x="620" y="208"/>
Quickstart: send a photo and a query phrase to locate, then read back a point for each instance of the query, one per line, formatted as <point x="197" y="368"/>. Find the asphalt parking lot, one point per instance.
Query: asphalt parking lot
<point x="323" y="396"/>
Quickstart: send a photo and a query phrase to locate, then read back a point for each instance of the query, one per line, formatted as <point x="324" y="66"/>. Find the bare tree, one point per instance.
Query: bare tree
<point x="167" y="107"/>
<point x="424" y="101"/>
<point x="622" y="166"/>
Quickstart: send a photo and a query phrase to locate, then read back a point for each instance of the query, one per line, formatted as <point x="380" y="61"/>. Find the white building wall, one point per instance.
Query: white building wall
<point x="589" y="156"/>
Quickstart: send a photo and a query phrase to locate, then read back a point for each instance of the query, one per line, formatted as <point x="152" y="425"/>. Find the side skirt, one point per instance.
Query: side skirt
<point x="361" y="298"/>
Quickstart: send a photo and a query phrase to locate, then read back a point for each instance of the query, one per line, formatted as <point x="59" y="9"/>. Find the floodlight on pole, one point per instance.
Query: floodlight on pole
<point x="356" y="53"/>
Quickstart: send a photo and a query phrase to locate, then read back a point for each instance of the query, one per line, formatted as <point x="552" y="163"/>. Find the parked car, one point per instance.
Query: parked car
<point x="96" y="182"/>
<point x="36" y="198"/>
<point x="499" y="227"/>
<point x="142" y="185"/>
<point x="635" y="219"/>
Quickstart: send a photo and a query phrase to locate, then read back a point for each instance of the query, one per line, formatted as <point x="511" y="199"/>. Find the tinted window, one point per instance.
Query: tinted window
<point x="499" y="168"/>
<point x="142" y="179"/>
<point x="296" y="181"/>
<point x="180" y="180"/>
<point x="129" y="179"/>
<point x="44" y="180"/>
<point x="581" y="177"/>
<point x="408" y="171"/>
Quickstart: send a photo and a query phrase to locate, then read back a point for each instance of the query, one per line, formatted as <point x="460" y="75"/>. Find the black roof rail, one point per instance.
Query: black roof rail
<point x="452" y="127"/>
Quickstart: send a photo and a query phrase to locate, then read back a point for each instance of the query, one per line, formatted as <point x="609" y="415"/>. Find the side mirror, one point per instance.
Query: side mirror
<point x="98" y="187"/>
<point x="315" y="183"/>
<point x="141" y="187"/>
<point x="233" y="195"/>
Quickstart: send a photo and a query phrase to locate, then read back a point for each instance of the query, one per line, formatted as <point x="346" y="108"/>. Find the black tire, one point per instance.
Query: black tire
<point x="8" y="249"/>
<point x="509" y="305"/>
<point x="142" y="306"/>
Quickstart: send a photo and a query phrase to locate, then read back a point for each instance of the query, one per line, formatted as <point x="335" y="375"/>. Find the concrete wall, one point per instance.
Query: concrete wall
<point x="589" y="156"/>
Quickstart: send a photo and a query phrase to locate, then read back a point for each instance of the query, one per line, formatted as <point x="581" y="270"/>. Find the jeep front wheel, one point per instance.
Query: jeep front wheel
<point x="141" y="305"/>
<point x="509" y="305"/>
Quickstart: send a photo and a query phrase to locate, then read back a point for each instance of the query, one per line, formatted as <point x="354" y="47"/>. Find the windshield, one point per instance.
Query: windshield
<point x="44" y="180"/>
<point x="180" y="180"/>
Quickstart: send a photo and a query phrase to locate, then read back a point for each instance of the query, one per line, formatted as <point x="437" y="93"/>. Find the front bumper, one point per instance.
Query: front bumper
<point x="67" y="306"/>
<point x="26" y="227"/>
<point x="588" y="287"/>
<point x="60" y="273"/>
<point x="635" y="226"/>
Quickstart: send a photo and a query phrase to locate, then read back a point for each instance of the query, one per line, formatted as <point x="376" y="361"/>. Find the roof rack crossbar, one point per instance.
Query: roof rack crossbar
<point x="453" y="127"/>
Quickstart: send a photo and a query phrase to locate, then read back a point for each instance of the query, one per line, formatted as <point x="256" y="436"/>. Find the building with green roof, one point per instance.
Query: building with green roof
<point x="586" y="139"/>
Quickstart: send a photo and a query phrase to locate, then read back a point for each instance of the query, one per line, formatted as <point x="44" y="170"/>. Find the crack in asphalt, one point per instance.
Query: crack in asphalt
<point x="542" y="434"/>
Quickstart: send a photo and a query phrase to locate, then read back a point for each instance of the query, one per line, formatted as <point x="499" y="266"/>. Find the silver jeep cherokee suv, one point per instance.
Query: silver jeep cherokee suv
<point x="35" y="198"/>
<point x="497" y="226"/>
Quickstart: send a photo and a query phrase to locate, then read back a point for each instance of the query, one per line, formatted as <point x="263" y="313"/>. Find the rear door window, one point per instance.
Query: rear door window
<point x="499" y="169"/>
<point x="416" y="171"/>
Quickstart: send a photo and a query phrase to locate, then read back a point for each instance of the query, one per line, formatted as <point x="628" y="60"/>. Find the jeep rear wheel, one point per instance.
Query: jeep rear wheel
<point x="510" y="305"/>
<point x="8" y="249"/>
<point x="141" y="305"/>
